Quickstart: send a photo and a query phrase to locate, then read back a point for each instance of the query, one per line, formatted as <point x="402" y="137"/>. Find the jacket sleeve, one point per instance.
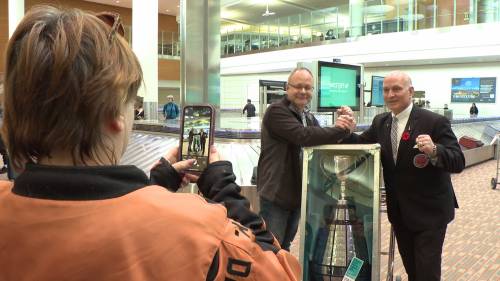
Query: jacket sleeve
<point x="449" y="155"/>
<point x="165" y="175"/>
<point x="368" y="136"/>
<point x="248" y="250"/>
<point x="281" y="122"/>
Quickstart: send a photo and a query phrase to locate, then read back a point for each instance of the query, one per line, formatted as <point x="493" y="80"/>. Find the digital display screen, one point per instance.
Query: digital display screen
<point x="338" y="86"/>
<point x="475" y="89"/>
<point x="196" y="134"/>
<point x="377" y="96"/>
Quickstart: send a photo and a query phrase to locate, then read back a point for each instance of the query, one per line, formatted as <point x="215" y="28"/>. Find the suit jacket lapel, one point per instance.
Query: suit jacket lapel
<point x="405" y="146"/>
<point x="387" y="143"/>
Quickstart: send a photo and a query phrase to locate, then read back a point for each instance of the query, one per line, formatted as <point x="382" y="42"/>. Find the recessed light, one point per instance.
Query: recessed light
<point x="178" y="6"/>
<point x="167" y="10"/>
<point x="117" y="1"/>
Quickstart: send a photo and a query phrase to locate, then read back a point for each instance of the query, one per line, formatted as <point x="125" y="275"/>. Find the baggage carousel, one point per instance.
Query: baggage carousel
<point x="146" y="147"/>
<point x="241" y="144"/>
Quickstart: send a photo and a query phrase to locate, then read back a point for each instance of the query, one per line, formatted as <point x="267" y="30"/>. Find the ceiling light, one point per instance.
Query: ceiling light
<point x="117" y="2"/>
<point x="267" y="13"/>
<point x="378" y="9"/>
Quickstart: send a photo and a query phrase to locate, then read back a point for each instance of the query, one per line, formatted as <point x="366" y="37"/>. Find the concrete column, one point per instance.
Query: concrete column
<point x="145" y="46"/>
<point x="411" y="15"/>
<point x="16" y="13"/>
<point x="200" y="52"/>
<point x="357" y="22"/>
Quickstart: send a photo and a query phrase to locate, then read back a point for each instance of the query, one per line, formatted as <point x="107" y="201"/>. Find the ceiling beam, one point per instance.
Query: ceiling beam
<point x="237" y="21"/>
<point x="300" y="6"/>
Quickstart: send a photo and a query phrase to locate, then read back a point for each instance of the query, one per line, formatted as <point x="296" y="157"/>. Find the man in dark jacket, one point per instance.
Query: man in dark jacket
<point x="288" y="126"/>
<point x="418" y="153"/>
<point x="249" y="108"/>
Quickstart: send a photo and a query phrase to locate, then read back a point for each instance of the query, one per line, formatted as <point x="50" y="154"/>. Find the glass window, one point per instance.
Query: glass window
<point x="488" y="11"/>
<point x="425" y="14"/>
<point x="444" y="13"/>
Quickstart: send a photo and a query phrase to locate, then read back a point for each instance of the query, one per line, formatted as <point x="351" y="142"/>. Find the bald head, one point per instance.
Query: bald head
<point x="398" y="91"/>
<point x="402" y="76"/>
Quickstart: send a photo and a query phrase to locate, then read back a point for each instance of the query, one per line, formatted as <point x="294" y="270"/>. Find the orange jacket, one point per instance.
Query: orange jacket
<point x="147" y="234"/>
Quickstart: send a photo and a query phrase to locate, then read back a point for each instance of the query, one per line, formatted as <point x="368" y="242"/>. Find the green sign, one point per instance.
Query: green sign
<point x="353" y="270"/>
<point x="337" y="87"/>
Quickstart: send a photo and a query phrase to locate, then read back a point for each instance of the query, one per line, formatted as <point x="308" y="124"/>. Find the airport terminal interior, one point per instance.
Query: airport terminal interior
<point x="238" y="50"/>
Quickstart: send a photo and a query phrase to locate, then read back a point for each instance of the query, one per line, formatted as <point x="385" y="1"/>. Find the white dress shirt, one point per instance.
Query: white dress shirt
<point x="403" y="117"/>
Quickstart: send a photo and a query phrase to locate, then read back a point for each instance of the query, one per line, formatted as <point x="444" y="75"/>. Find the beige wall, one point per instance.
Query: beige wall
<point x="167" y="69"/>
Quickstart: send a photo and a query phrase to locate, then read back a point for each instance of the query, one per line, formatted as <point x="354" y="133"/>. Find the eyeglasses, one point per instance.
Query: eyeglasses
<point x="114" y="21"/>
<point x="299" y="87"/>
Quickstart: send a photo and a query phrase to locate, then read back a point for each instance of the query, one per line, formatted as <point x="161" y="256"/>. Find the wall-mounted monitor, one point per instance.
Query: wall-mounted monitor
<point x="338" y="86"/>
<point x="377" y="91"/>
<point x="474" y="89"/>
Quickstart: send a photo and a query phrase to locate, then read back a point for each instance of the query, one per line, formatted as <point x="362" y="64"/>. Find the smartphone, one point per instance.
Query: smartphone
<point x="197" y="134"/>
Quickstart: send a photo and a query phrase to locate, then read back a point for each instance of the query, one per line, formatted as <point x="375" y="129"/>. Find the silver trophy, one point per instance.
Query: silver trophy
<point x="336" y="243"/>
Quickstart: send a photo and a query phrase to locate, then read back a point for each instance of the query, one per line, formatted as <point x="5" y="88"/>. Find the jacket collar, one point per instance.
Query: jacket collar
<point x="78" y="183"/>
<point x="293" y="109"/>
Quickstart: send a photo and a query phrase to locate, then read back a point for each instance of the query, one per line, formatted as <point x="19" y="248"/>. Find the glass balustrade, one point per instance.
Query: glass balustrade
<point x="360" y="18"/>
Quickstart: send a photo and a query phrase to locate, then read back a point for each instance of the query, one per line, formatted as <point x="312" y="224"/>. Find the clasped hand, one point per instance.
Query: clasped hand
<point x="345" y="119"/>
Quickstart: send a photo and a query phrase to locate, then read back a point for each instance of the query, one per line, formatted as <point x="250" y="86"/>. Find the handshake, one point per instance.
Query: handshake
<point x="345" y="119"/>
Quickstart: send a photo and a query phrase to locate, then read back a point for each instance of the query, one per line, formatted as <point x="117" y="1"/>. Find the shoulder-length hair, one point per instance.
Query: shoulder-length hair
<point x="66" y="73"/>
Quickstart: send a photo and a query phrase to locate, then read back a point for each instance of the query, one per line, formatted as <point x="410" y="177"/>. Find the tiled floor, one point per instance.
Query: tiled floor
<point x="472" y="246"/>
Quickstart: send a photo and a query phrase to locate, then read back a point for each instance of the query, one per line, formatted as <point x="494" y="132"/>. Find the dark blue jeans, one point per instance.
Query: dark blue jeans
<point x="281" y="222"/>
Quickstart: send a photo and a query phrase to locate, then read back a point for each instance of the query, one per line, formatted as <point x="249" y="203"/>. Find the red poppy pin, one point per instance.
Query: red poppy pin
<point x="405" y="136"/>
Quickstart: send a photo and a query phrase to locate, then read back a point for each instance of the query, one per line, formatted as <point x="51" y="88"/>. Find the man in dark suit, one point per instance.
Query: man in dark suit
<point x="420" y="197"/>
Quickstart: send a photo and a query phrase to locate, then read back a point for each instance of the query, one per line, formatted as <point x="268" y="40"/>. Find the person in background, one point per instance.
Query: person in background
<point x="249" y="108"/>
<point x="170" y="109"/>
<point x="74" y="213"/>
<point x="418" y="152"/>
<point x="474" y="111"/>
<point x="287" y="127"/>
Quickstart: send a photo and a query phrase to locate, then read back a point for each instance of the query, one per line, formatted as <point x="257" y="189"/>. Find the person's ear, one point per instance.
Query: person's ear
<point x="411" y="90"/>
<point x="117" y="125"/>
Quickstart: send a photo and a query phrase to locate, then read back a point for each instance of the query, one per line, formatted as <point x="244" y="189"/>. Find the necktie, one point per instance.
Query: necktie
<point x="394" y="138"/>
<point x="303" y="117"/>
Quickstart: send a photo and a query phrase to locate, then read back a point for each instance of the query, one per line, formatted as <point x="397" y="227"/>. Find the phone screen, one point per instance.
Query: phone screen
<point x="196" y="135"/>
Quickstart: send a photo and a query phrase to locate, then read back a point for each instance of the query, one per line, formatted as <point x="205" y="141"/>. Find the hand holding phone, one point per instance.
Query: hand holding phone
<point x="197" y="134"/>
<point x="180" y="166"/>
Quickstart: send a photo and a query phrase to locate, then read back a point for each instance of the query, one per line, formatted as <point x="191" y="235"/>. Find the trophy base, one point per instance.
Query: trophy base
<point x="321" y="272"/>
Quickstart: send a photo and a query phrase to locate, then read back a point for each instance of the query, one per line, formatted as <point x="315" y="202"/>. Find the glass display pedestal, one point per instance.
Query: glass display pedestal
<point x="340" y="211"/>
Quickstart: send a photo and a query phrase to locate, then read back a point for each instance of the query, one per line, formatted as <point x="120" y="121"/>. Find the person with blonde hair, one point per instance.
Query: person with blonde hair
<point x="74" y="213"/>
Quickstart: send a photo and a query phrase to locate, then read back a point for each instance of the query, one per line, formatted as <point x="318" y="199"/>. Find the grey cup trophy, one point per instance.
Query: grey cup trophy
<point x="335" y="247"/>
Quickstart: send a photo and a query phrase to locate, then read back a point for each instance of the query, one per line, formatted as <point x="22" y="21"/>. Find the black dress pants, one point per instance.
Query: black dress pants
<point x="421" y="252"/>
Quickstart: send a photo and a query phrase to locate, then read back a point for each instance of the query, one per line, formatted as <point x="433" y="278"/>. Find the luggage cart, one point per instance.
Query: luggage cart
<point x="392" y="242"/>
<point x="494" y="181"/>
